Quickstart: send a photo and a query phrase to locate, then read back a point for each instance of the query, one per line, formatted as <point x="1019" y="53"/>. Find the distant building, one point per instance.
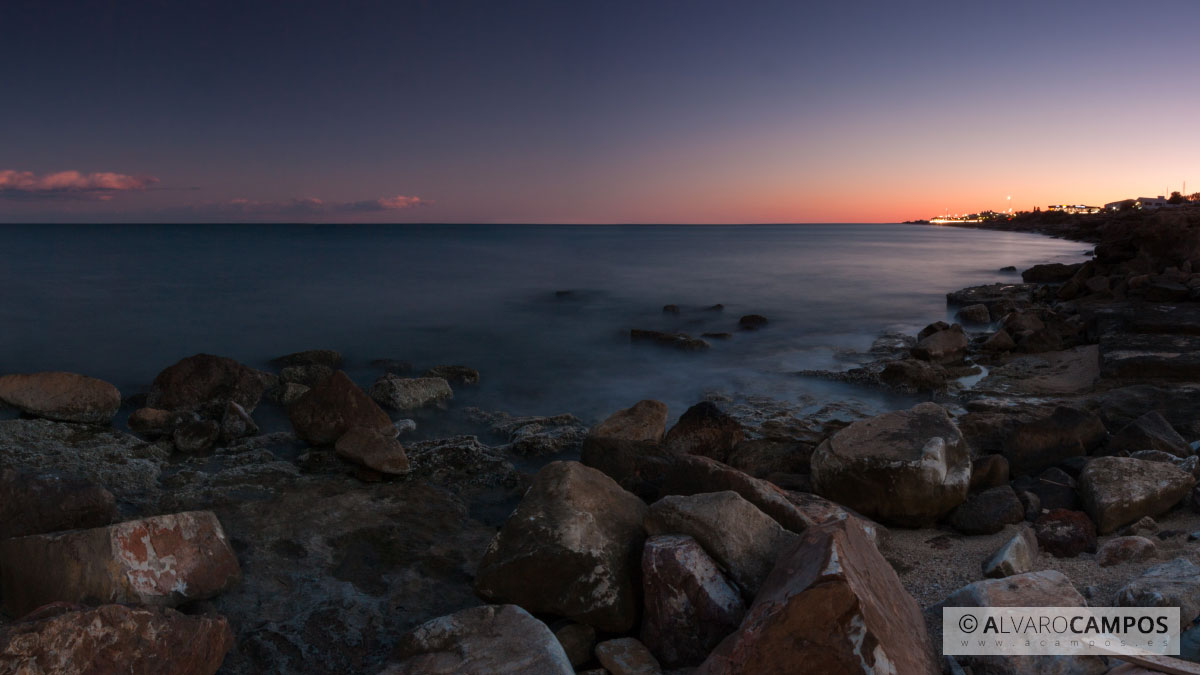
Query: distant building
<point x="1151" y="202"/>
<point x="1074" y="208"/>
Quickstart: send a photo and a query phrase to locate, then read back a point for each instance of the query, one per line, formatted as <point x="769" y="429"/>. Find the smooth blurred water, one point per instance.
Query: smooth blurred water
<point x="123" y="302"/>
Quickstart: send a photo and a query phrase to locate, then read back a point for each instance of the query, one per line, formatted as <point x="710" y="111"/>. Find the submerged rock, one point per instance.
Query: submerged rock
<point x="66" y="397"/>
<point x="312" y="357"/>
<point x="460" y="462"/>
<point x="680" y="341"/>
<point x="455" y="374"/>
<point x="407" y="393"/>
<point x="205" y="381"/>
<point x="752" y="322"/>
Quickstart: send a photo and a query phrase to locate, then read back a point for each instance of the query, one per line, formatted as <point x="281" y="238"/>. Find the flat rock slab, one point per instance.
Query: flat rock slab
<point x="162" y="560"/>
<point x="1118" y="491"/>
<point x="67" y="397"/>
<point x="32" y="504"/>
<point x="1071" y="371"/>
<point x="1150" y="356"/>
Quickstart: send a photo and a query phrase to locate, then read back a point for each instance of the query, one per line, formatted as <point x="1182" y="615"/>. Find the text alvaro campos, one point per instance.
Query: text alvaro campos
<point x="1036" y="631"/>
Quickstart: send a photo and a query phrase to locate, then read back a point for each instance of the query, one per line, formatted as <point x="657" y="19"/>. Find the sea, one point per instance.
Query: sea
<point x="542" y="311"/>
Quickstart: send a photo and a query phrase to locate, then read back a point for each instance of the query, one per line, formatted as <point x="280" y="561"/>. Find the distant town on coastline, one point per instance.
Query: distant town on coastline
<point x="1176" y="200"/>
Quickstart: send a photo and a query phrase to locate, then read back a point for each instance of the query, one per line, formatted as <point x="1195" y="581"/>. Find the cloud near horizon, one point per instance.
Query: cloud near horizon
<point x="310" y="206"/>
<point x="26" y="185"/>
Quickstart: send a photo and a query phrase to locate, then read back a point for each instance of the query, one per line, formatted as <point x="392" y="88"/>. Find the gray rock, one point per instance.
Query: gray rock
<point x="1117" y="491"/>
<point x="1017" y="556"/>
<point x="1171" y="584"/>
<point x="408" y="393"/>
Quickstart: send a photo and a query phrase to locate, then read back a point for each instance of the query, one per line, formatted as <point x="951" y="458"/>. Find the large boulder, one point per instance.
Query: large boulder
<point x="66" y="397"/>
<point x="408" y="393"/>
<point x="1171" y="584"/>
<point x="74" y="640"/>
<point x="833" y="604"/>
<point x="374" y="450"/>
<point x="1149" y="432"/>
<point x="570" y="548"/>
<point x="332" y="408"/>
<point x="164" y="560"/>
<point x="616" y="445"/>
<point x="908" y="468"/>
<point x="689" y="603"/>
<point x="944" y="346"/>
<point x="704" y="430"/>
<point x="493" y="639"/>
<point x="312" y="357"/>
<point x="204" y="381"/>
<point x="37" y="504"/>
<point x="743" y="539"/>
<point x="1042" y="443"/>
<point x="1117" y="491"/>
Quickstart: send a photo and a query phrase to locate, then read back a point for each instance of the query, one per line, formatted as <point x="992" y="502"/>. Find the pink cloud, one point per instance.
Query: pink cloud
<point x="69" y="184"/>
<point x="312" y="206"/>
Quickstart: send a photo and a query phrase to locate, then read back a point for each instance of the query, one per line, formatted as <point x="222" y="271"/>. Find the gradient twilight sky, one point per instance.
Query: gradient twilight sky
<point x="589" y="111"/>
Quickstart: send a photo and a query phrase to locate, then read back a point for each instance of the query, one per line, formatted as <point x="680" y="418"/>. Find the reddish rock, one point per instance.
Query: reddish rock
<point x="988" y="511"/>
<point x="73" y="640"/>
<point x="988" y="471"/>
<point x="327" y="411"/>
<point x="152" y="422"/>
<point x="833" y="604"/>
<point x="1065" y="534"/>
<point x="1126" y="549"/>
<point x="162" y="560"/>
<point x="627" y="656"/>
<point x="616" y="445"/>
<point x="39" y="504"/>
<point x="206" y="381"/>
<point x="689" y="604"/>
<point x="1000" y="341"/>
<point x="704" y="430"/>
<point x="578" y="640"/>
<point x="67" y="397"/>
<point x="381" y="452"/>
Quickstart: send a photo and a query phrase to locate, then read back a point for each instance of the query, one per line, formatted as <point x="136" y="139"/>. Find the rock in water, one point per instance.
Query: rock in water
<point x="455" y="374"/>
<point x="313" y="357"/>
<point x="66" y="397"/>
<point x="689" y="604"/>
<point x="570" y="548"/>
<point x="617" y="444"/>
<point x="944" y="346"/>
<point x="488" y="640"/>
<point x="236" y="423"/>
<point x="309" y="375"/>
<point x="833" y="604"/>
<point x="381" y="452"/>
<point x="752" y="322"/>
<point x="162" y="560"/>
<point x="408" y="393"/>
<point x="1117" y="491"/>
<point x="73" y="640"/>
<point x="908" y="468"/>
<point x="31" y="504"/>
<point x="977" y="313"/>
<point x="1171" y="584"/>
<point x="1015" y="557"/>
<point x="704" y="430"/>
<point x="332" y="408"/>
<point x="206" y="381"/>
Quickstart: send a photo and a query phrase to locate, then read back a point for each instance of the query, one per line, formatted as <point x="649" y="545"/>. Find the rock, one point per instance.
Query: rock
<point x="578" y="640"/>
<point x="313" y="357"/>
<point x="66" y="397"/>
<point x="205" y="381"/>
<point x="945" y="346"/>
<point x="500" y="639"/>
<point x="833" y="604"/>
<point x="152" y="422"/>
<point x="616" y="445"/>
<point x="988" y="471"/>
<point x="931" y="329"/>
<point x="1000" y="341"/>
<point x="1117" y="491"/>
<point x="764" y="457"/>
<point x="1072" y="371"/>
<point x="393" y="366"/>
<point x="570" y="548"/>
<point x="627" y="656"/>
<point x="913" y="375"/>
<point x="752" y="322"/>
<point x="1149" y="432"/>
<point x="680" y="341"/>
<point x="1144" y="527"/>
<point x="332" y="408"/>
<point x="1050" y="273"/>
<point x="541" y="436"/>
<point x="1054" y="488"/>
<point x="689" y="604"/>
<point x="163" y="560"/>
<point x="196" y="436"/>
<point x="237" y="423"/>
<point x="1023" y="323"/>
<point x="73" y="640"/>
<point x="704" y="430"/>
<point x="1065" y="534"/>
<point x="1032" y="505"/>
<point x="907" y="468"/>
<point x="381" y="452"/>
<point x="408" y="393"/>
<point x="1126" y="549"/>
<point x="1171" y="584"/>
<point x="670" y="309"/>
<point x="309" y="375"/>
<point x="977" y="313"/>
<point x="455" y="374"/>
<point x="743" y="539"/>
<point x="460" y="462"/>
<point x="988" y="511"/>
<point x="291" y="392"/>
<point x="717" y="336"/>
<point x="33" y="504"/>
<point x="1017" y="556"/>
<point x="1039" y="444"/>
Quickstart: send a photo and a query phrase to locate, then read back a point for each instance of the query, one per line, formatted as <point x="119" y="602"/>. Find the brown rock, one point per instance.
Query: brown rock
<point x="1117" y="491"/>
<point x="308" y="375"/>
<point x="73" y="640"/>
<point x="752" y="322"/>
<point x="454" y="374"/>
<point x="1040" y="444"/>
<point x="1149" y="432"/>
<point x="616" y="445"/>
<point x="704" y="430"/>
<point x="988" y="511"/>
<point x="977" y="313"/>
<point x="162" y="560"/>
<point x="206" y="381"/>
<point x="1000" y="341"/>
<point x="31" y="504"/>
<point x="578" y="640"/>
<point x="66" y="397"/>
<point x="946" y="346"/>
<point x="196" y="436"/>
<point x="381" y="452"/>
<point x="833" y="604"/>
<point x="1126" y="549"/>
<point x="332" y="408"/>
<point x="236" y="423"/>
<point x="152" y="422"/>
<point x="627" y="656"/>
<point x="312" y="357"/>
<point x="1065" y="534"/>
<point x="988" y="471"/>
<point x="914" y="375"/>
<point x="681" y="341"/>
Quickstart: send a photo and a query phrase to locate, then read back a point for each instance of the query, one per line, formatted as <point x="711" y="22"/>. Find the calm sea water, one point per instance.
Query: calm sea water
<point x="122" y="302"/>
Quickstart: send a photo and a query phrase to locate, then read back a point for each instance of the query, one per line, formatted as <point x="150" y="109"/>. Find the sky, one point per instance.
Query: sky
<point x="588" y="111"/>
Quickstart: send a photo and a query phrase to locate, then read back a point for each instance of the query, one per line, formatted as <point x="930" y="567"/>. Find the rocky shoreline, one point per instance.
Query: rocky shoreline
<point x="1053" y="462"/>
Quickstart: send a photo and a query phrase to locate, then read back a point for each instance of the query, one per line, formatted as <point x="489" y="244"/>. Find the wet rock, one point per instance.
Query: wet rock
<point x="1171" y="584"/>
<point x="1149" y="432"/>
<point x="680" y="341"/>
<point x="1000" y="341"/>
<point x="752" y="322"/>
<point x="309" y="375"/>
<point x="988" y="471"/>
<point x="71" y="639"/>
<point x="1126" y="549"/>
<point x="1016" y="556"/>
<point x="500" y="639"/>
<point x="1117" y="491"/>
<point x="381" y="452"/>
<point x="196" y="436"/>
<point x="1065" y="534"/>
<point x="152" y="422"/>
<point x="312" y="357"/>
<point x="704" y="430"/>
<point x="204" y="381"/>
<point x="33" y="504"/>
<point x="237" y="423"/>
<point x="764" y="457"/>
<point x="988" y="511"/>
<point x="945" y="346"/>
<point x="717" y="336"/>
<point x="65" y="397"/>
<point x="616" y="445"/>
<point x="1072" y="371"/>
<point x="689" y="604"/>
<point x="454" y="374"/>
<point x="408" y="393"/>
<point x="670" y="309"/>
<point x="743" y="539"/>
<point x="578" y="640"/>
<point x="541" y="436"/>
<point x="1039" y="444"/>
<point x="1050" y="273"/>
<point x="332" y="408"/>
<point x="914" y="375"/>
<point x="461" y="462"/>
<point x="627" y="656"/>
<point x="977" y="313"/>
<point x="907" y="468"/>
<point x="1023" y="323"/>
<point x="289" y="393"/>
<point x="833" y="604"/>
<point x="162" y="560"/>
<point x="570" y="549"/>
